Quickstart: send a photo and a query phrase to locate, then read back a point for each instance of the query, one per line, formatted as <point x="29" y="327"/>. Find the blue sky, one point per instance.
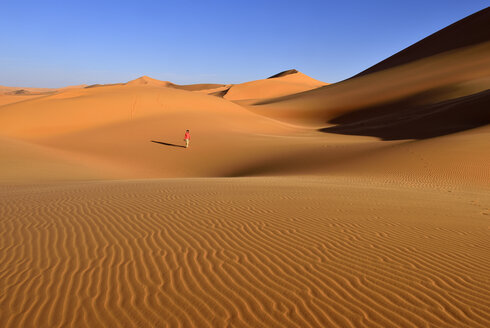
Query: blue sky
<point x="60" y="43"/>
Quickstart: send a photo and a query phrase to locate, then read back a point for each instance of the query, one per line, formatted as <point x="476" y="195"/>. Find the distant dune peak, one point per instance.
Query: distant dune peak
<point x="284" y="73"/>
<point x="20" y="92"/>
<point x="146" y="80"/>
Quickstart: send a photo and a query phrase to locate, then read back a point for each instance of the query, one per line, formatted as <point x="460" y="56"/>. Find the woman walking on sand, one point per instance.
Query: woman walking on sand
<point x="187" y="138"/>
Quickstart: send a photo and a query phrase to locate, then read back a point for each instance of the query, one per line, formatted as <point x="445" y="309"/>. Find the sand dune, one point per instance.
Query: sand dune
<point x="203" y="87"/>
<point x="234" y="142"/>
<point x="281" y="84"/>
<point x="10" y="95"/>
<point x="117" y="124"/>
<point x="145" y="80"/>
<point x="6" y="99"/>
<point x="284" y="73"/>
<point x="415" y="121"/>
<point x="24" y="90"/>
<point x="418" y="81"/>
<point x="441" y="77"/>
<point x="89" y="108"/>
<point x="472" y="30"/>
<point x="148" y="81"/>
<point x="363" y="203"/>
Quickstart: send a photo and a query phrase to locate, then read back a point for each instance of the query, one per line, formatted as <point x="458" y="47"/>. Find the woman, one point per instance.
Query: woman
<point x="187" y="138"/>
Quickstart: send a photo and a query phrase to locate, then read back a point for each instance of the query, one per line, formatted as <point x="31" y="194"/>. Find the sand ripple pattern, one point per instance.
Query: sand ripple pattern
<point x="254" y="252"/>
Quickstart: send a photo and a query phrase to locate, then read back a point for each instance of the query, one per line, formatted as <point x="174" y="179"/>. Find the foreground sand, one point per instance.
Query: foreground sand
<point x="257" y="252"/>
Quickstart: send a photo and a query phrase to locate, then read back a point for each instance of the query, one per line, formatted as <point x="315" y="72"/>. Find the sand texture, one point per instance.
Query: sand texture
<point x="266" y="252"/>
<point x="362" y="203"/>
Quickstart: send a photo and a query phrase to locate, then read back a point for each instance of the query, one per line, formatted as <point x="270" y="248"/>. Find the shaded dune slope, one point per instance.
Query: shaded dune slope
<point x="283" y="73"/>
<point x="423" y="83"/>
<point x="468" y="31"/>
<point x="412" y="121"/>
<point x="456" y="159"/>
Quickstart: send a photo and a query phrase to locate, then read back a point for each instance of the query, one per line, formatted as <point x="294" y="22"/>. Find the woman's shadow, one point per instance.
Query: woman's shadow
<point x="167" y="144"/>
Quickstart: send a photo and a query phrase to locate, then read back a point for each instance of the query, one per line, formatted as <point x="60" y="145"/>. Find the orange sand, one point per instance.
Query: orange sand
<point x="363" y="203"/>
<point x="258" y="252"/>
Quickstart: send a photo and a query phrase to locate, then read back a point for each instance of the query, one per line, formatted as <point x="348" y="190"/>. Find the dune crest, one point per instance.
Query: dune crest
<point x="146" y="80"/>
<point x="284" y="73"/>
<point x="10" y="95"/>
<point x="281" y="84"/>
<point x="471" y="30"/>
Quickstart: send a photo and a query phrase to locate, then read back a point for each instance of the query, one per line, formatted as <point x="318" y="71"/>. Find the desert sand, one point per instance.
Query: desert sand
<point x="362" y="203"/>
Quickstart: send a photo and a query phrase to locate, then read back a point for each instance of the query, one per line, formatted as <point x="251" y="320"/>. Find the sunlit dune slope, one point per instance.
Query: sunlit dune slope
<point x="6" y="99"/>
<point x="146" y="80"/>
<point x="28" y="163"/>
<point x="279" y="85"/>
<point x="117" y="124"/>
<point x="399" y="94"/>
<point x="82" y="109"/>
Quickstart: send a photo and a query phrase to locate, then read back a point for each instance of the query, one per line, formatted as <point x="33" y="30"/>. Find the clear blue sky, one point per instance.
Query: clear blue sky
<point x="58" y="43"/>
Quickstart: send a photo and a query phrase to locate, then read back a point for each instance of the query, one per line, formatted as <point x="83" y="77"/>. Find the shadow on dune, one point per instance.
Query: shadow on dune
<point x="167" y="144"/>
<point x="405" y="119"/>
